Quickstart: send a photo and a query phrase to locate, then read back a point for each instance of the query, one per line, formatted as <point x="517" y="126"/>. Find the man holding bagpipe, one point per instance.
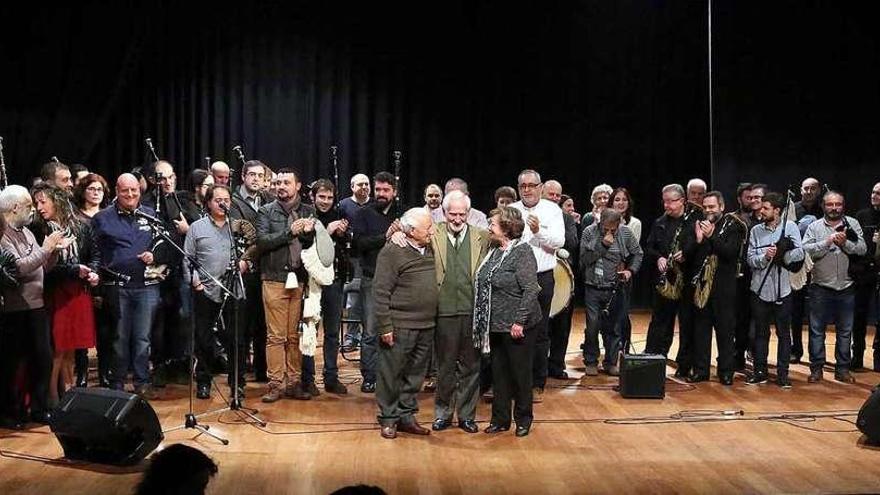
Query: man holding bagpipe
<point x="774" y="251"/>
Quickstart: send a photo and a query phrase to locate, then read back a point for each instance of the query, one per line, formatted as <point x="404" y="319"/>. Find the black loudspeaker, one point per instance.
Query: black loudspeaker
<point x="105" y="426"/>
<point x="642" y="376"/>
<point x="868" y="420"/>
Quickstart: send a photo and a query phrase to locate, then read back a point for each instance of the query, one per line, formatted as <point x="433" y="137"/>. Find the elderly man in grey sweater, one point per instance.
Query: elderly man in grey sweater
<point x="609" y="256"/>
<point x="406" y="294"/>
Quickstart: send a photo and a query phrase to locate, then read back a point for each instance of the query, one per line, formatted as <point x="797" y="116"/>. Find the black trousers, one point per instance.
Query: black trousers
<point x="167" y="336"/>
<point x="206" y="312"/>
<point x="542" y="329"/>
<point x="511" y="379"/>
<point x="718" y="315"/>
<point x="865" y="292"/>
<point x="458" y="379"/>
<point x="560" y="330"/>
<point x="780" y="315"/>
<point x="798" y="311"/>
<point x="254" y="329"/>
<point x="25" y="339"/>
<point x="662" y="327"/>
<point x="742" y="333"/>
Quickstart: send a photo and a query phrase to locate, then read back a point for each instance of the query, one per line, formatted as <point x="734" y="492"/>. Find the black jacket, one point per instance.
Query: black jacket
<point x="662" y="234"/>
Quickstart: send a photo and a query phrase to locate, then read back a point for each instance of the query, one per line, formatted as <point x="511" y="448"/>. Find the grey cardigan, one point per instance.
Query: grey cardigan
<point x="515" y="291"/>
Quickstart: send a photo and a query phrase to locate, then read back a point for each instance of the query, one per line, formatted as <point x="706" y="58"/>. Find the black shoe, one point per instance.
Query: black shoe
<point x="41" y="417"/>
<point x="160" y="375"/>
<point x="844" y="377"/>
<point x="682" y="373"/>
<point x="441" y="424"/>
<point x="726" y="379"/>
<point x="335" y="388"/>
<point x="368" y="387"/>
<point x="103" y="382"/>
<point x="815" y="376"/>
<point x="10" y="423"/>
<point x="783" y="382"/>
<point x="297" y="392"/>
<point x="312" y="389"/>
<point x="82" y="381"/>
<point x="203" y="391"/>
<point x="697" y="378"/>
<point x="757" y="378"/>
<point x="559" y="375"/>
<point x="493" y="428"/>
<point x="794" y="359"/>
<point x="522" y="430"/>
<point x="469" y="426"/>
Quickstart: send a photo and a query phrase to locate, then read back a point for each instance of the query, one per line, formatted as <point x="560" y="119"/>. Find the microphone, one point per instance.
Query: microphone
<point x="149" y="143"/>
<point x="396" y="155"/>
<point x="118" y="276"/>
<point x="148" y="217"/>
<point x="224" y="208"/>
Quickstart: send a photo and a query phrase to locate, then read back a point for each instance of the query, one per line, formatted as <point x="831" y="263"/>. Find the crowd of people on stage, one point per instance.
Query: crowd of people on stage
<point x="238" y="272"/>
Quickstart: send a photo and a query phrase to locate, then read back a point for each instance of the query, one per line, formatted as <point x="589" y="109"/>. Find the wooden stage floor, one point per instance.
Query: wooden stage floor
<point x="586" y="439"/>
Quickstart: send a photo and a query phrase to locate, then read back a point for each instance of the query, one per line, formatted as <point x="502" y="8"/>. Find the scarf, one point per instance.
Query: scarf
<point x="483" y="296"/>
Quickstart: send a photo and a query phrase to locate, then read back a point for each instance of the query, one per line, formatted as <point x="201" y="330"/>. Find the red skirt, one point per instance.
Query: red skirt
<point x="73" y="319"/>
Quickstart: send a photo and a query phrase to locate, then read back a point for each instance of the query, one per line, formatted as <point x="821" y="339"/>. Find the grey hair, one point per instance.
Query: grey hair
<point x="456" y="195"/>
<point x="12" y="196"/>
<point x="355" y="177"/>
<point x="832" y="192"/>
<point x="676" y="188"/>
<point x="528" y="171"/>
<point x="219" y="166"/>
<point x="609" y="215"/>
<point x="410" y="217"/>
<point x="456" y="184"/>
<point x="601" y="188"/>
<point x="697" y="183"/>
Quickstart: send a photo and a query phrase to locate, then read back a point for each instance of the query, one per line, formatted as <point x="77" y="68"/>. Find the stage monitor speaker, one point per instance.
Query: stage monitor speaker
<point x="868" y="420"/>
<point x="105" y="426"/>
<point x="642" y="376"/>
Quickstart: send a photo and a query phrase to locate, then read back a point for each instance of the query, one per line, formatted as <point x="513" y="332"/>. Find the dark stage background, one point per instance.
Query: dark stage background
<point x="609" y="91"/>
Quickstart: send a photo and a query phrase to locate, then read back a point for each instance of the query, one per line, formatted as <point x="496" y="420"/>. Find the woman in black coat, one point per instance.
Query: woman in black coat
<point x="505" y="314"/>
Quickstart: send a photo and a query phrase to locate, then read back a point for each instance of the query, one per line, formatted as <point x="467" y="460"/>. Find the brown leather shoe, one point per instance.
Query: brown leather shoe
<point x="297" y="391"/>
<point x="389" y="431"/>
<point x="844" y="377"/>
<point x="414" y="428"/>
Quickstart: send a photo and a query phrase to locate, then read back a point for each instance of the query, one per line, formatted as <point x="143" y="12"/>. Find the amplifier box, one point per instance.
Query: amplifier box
<point x="643" y="376"/>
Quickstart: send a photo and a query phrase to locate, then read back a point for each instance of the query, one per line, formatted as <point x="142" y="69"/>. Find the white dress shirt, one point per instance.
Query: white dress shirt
<point x="551" y="232"/>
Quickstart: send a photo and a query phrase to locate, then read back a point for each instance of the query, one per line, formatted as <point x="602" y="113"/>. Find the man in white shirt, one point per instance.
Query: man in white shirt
<point x="545" y="233"/>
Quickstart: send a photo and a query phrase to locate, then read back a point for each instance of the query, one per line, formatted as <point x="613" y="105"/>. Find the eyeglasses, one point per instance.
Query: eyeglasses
<point x="255" y="174"/>
<point x="93" y="189"/>
<point x="525" y="186"/>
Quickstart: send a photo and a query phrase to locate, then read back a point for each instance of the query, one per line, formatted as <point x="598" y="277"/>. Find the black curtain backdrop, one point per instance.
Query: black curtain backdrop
<point x="587" y="92"/>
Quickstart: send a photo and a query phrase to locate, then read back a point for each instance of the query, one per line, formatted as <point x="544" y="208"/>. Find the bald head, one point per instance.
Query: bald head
<point x="809" y="190"/>
<point x="128" y="192"/>
<point x="220" y="171"/>
<point x="165" y="176"/>
<point x="553" y="190"/>
<point x="360" y="188"/>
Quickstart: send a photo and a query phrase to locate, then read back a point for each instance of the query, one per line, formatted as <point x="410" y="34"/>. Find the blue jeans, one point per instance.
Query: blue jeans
<point x="827" y="306"/>
<point x="137" y="307"/>
<point x="331" y="307"/>
<point x="368" y="343"/>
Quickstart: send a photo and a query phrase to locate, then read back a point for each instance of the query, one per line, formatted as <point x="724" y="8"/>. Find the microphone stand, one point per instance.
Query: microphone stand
<point x="190" y="418"/>
<point x="396" y="157"/>
<point x="236" y="283"/>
